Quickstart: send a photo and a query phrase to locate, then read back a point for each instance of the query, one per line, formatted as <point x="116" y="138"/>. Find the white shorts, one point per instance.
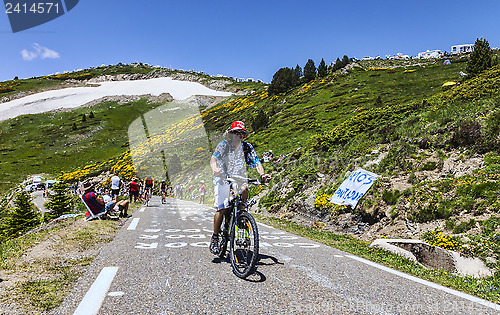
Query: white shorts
<point x="221" y="196"/>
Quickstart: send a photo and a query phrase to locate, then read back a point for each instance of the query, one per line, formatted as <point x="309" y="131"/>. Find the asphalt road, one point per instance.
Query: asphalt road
<point x="159" y="263"/>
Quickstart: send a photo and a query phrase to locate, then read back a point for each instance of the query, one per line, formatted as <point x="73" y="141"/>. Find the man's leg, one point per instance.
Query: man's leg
<point x="244" y="195"/>
<point x="123" y="206"/>
<point x="218" y="217"/>
<point x="221" y="195"/>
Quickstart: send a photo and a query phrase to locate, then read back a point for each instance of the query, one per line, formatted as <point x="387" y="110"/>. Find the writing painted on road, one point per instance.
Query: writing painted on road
<point x="191" y="238"/>
<point x="353" y="188"/>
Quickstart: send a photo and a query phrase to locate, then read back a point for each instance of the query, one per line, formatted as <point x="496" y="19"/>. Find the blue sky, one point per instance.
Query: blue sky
<point x="240" y="38"/>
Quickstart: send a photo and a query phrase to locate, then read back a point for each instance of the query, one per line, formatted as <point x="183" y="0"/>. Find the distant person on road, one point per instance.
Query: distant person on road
<point x="148" y="185"/>
<point x="229" y="159"/>
<point x="202" y="192"/>
<point x="116" y="183"/>
<point x="163" y="188"/>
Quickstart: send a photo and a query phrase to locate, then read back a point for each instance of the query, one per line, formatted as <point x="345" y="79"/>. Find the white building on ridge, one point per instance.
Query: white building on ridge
<point x="430" y="54"/>
<point x="462" y="49"/>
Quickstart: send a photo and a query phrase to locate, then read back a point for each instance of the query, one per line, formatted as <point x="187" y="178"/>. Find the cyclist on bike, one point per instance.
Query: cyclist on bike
<point x="148" y="185"/>
<point x="163" y="189"/>
<point x="229" y="159"/>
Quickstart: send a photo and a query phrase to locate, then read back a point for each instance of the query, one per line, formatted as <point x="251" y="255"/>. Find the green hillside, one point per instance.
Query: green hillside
<point x="49" y="142"/>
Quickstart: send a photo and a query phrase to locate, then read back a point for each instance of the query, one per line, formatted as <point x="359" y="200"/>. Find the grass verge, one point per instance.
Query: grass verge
<point x="485" y="288"/>
<point x="38" y="270"/>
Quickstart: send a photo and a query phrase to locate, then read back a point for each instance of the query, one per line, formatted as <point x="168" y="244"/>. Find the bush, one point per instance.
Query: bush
<point x="397" y="159"/>
<point x="260" y="121"/>
<point x="428" y="166"/>
<point x="464" y="226"/>
<point x="468" y="133"/>
<point x="490" y="225"/>
<point x="391" y="197"/>
<point x="270" y="200"/>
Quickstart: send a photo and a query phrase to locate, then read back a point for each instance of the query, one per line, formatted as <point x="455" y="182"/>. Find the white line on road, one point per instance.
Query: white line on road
<point x="92" y="300"/>
<point x="428" y="283"/>
<point x="117" y="293"/>
<point x="133" y="224"/>
<point x="142" y="209"/>
<point x="267" y="226"/>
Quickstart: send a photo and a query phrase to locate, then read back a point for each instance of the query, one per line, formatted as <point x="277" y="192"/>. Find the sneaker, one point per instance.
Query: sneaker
<point x="214" y="245"/>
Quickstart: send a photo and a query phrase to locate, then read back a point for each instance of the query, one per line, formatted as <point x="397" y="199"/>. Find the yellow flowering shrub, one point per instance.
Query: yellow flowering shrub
<point x="322" y="201"/>
<point x="440" y="239"/>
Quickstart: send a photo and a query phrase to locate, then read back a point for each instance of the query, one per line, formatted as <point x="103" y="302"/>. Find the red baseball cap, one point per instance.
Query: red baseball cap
<point x="238" y="125"/>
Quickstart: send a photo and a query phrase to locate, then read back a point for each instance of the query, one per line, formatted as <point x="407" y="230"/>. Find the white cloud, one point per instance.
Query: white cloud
<point x="28" y="55"/>
<point x="40" y="51"/>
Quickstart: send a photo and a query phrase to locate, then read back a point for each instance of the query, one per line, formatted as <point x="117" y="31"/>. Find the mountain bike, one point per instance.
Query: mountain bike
<point x="240" y="230"/>
<point x="163" y="200"/>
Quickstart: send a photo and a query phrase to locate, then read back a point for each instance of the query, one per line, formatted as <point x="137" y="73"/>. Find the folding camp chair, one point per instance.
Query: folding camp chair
<point x="91" y="216"/>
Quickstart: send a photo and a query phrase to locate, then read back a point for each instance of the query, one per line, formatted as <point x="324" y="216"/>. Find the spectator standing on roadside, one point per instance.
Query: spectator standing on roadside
<point x="133" y="190"/>
<point x="115" y="185"/>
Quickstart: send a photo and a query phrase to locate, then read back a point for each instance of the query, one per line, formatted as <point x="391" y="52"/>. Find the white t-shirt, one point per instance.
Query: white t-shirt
<point x="115" y="182"/>
<point x="106" y="198"/>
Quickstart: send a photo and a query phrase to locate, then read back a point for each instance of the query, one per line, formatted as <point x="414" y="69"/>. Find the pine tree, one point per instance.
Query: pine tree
<point x="84" y="118"/>
<point x="59" y="203"/>
<point x="74" y="126"/>
<point x="91" y="115"/>
<point x="322" y="69"/>
<point x="22" y="218"/>
<point x="260" y="121"/>
<point x="309" y="71"/>
<point x="338" y="64"/>
<point x="480" y="58"/>
<point x="297" y="75"/>
<point x="345" y="61"/>
<point x="283" y="80"/>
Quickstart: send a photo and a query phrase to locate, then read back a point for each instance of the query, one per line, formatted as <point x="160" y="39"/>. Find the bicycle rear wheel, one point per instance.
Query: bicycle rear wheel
<point x="244" y="245"/>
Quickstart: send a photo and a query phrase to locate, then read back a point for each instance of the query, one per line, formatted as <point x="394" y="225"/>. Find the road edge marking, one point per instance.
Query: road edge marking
<point x="92" y="301"/>
<point x="428" y="283"/>
<point x="264" y="225"/>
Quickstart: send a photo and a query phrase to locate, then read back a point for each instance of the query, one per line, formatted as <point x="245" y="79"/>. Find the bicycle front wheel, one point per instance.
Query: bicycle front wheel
<point x="244" y="245"/>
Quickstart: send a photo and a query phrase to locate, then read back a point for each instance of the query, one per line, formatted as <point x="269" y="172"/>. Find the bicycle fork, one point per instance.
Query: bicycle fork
<point x="242" y="235"/>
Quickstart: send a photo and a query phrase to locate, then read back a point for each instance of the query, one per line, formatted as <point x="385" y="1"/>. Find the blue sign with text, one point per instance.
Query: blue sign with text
<point x="353" y="188"/>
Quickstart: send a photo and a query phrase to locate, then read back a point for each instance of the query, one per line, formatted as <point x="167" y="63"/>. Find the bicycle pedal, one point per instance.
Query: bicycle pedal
<point x="251" y="202"/>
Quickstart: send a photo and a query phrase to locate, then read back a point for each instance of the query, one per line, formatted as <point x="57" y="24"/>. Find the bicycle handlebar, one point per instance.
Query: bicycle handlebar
<point x="232" y="179"/>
